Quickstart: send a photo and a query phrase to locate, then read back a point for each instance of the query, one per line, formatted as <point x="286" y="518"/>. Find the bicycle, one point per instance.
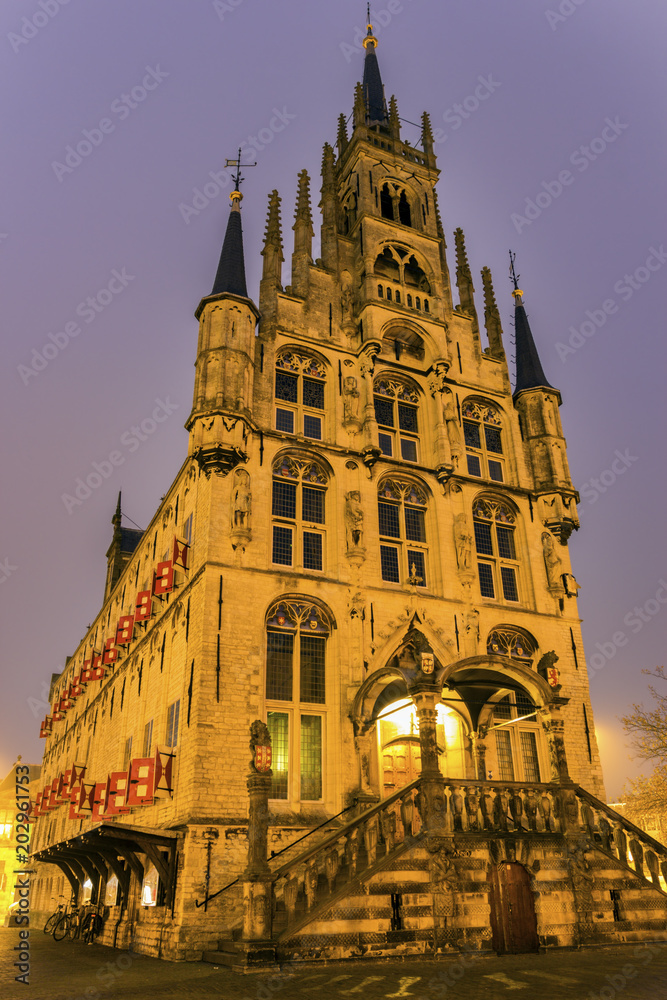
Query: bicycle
<point x="92" y="924"/>
<point x="54" y="918"/>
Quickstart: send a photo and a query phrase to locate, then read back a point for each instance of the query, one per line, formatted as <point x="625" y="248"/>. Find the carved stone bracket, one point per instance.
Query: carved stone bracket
<point x="219" y="459"/>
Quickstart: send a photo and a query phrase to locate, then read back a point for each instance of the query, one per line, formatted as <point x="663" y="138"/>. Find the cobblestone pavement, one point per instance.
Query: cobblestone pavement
<point x="73" y="971"/>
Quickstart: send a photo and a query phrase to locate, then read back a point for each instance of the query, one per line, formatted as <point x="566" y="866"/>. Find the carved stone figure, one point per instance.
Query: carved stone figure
<point x="259" y="737"/>
<point x="354" y="521"/>
<point x="351" y="398"/>
<point x="241" y="501"/>
<point x="347" y="304"/>
<point x="463" y="541"/>
<point x="552" y="561"/>
<point x="453" y="426"/>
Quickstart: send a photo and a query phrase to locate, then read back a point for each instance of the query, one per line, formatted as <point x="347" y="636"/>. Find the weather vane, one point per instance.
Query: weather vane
<point x="238" y="177"/>
<point x="514" y="277"/>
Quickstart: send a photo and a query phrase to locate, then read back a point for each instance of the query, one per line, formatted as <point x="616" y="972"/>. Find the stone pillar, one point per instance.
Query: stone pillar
<point x="433" y="801"/>
<point x="568" y="804"/>
<point x="257" y="884"/>
<point x="363" y="744"/>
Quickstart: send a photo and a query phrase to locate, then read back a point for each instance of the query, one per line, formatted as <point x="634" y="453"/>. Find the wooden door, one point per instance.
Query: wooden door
<point x="401" y="764"/>
<point x="513" y="920"/>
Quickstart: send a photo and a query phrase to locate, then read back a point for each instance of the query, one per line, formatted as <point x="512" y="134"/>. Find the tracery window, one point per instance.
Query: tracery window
<point x="396" y="264"/>
<point x="396" y="406"/>
<point x="482" y="433"/>
<point x="296" y="637"/>
<point x="300" y="389"/>
<point x="402" y="519"/>
<point x="298" y="510"/>
<point x="498" y="567"/>
<point x="507" y="641"/>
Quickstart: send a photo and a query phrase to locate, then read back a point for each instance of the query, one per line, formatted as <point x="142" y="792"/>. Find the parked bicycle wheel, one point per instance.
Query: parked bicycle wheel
<point x="91" y="927"/>
<point x="74" y="928"/>
<point x="62" y="927"/>
<point x="51" y="922"/>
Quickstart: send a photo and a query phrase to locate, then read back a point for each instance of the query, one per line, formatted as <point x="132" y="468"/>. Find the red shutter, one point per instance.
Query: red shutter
<point x="164" y="764"/>
<point x="141" y="780"/>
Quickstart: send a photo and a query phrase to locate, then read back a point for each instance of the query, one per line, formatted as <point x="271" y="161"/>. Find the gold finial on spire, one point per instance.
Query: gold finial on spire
<point x="370" y="38"/>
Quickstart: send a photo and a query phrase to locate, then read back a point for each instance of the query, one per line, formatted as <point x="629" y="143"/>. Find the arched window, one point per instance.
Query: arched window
<point x="404" y="210"/>
<point x="386" y="203"/>
<point x="482" y="434"/>
<point x="396" y="405"/>
<point x="498" y="567"/>
<point x="516" y="739"/>
<point x="402" y="520"/>
<point x="298" y="509"/>
<point x="300" y="383"/>
<point x="508" y="641"/>
<point x="296" y="637"/>
<point x="397" y="264"/>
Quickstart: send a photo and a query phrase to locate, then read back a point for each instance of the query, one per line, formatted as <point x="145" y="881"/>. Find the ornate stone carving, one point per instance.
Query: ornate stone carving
<point x="351" y="400"/>
<point x="453" y="426"/>
<point x="553" y="564"/>
<point x="463" y="541"/>
<point x="259" y="737"/>
<point x="354" y="522"/>
<point x="219" y="459"/>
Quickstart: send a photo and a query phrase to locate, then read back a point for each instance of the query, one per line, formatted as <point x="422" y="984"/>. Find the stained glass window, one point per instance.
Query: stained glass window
<point x="300" y="381"/>
<point x="482" y="436"/>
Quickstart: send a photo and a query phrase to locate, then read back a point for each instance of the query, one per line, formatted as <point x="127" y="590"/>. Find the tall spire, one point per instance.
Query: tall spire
<point x="529" y="371"/>
<point x="494" y="330"/>
<point x="303" y="236"/>
<point x="376" y="107"/>
<point x="231" y="269"/>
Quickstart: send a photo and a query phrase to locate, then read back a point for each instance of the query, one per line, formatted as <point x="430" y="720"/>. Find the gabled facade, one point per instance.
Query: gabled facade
<point x="366" y="550"/>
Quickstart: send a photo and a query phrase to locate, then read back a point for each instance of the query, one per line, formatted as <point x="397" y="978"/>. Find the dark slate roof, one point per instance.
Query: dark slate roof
<point x="529" y="372"/>
<point x="231" y="269"/>
<point x="129" y="539"/>
<point x="373" y="89"/>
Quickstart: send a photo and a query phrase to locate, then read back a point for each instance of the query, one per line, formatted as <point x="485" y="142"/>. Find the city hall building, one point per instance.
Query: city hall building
<point x="364" y="557"/>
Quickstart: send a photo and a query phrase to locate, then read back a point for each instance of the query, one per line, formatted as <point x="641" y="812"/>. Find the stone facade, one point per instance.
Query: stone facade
<point x="367" y="523"/>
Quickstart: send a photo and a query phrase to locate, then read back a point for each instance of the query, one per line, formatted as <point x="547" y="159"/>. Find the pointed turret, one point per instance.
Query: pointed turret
<point x="359" y="113"/>
<point x="303" y="237"/>
<point x="272" y="253"/>
<point x="342" y="138"/>
<point x="537" y="403"/>
<point x="529" y="371"/>
<point x="123" y="544"/>
<point x="328" y="201"/>
<point x="494" y="330"/>
<point x="231" y="269"/>
<point x="394" y="119"/>
<point x="464" y="281"/>
<point x="427" y="134"/>
<point x="376" y="106"/>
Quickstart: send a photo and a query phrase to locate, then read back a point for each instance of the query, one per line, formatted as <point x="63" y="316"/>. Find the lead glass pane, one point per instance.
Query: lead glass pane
<point x="286" y="387"/>
<point x="495" y="471"/>
<point x="505" y="543"/>
<point x="313" y="394"/>
<point x="471" y="435"/>
<point x="486" y="580"/>
<point x="483" y="538"/>
<point x="388" y="517"/>
<point x="504" y="753"/>
<point x="407" y="418"/>
<point x="493" y="442"/>
<point x="384" y="412"/>
<point x="285" y="421"/>
<point x="414" y="525"/>
<point x="284" y="499"/>
<point x="416" y="561"/>
<point x="311" y="757"/>
<point x="389" y="563"/>
<point x="385" y="442"/>
<point x="312" y="550"/>
<point x="312" y="427"/>
<point x="312" y="668"/>
<point x="279" y="654"/>
<point x="503" y="708"/>
<point x="278" y="726"/>
<point x="529" y="758"/>
<point x="282" y="546"/>
<point x="508" y="577"/>
<point x="408" y="450"/>
<point x="474" y="467"/>
<point x="312" y="505"/>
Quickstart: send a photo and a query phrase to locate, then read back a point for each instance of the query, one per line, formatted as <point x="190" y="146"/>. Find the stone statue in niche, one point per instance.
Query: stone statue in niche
<point x="347" y="299"/>
<point x="552" y="561"/>
<point x="350" y="399"/>
<point x="354" y="521"/>
<point x="453" y="426"/>
<point x="463" y="541"/>
<point x="241" y="501"/>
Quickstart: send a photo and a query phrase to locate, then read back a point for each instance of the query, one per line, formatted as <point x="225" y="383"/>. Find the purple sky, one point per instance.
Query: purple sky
<point x="221" y="72"/>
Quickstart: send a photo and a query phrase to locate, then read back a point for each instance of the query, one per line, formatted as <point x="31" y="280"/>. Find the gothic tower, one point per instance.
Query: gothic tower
<point x="364" y="562"/>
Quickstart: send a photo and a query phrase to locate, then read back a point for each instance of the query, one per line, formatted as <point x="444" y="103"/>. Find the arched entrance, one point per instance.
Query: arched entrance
<point x="513" y="920"/>
<point x="399" y="748"/>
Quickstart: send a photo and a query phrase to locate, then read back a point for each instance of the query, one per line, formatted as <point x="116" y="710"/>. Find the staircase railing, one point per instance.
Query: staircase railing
<point x="619" y="837"/>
